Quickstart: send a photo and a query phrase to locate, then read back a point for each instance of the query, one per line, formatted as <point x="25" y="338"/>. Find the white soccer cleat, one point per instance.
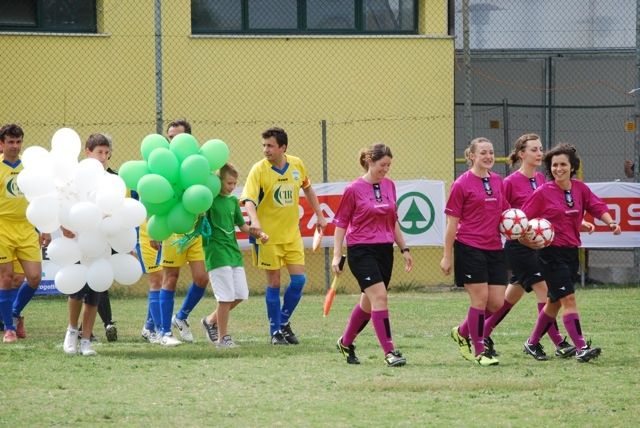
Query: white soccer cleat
<point x="183" y="329"/>
<point x="169" y="341"/>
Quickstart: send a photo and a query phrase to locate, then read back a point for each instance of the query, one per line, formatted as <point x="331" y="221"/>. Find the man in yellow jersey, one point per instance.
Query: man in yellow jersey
<point x="270" y="197"/>
<point x="18" y="238"/>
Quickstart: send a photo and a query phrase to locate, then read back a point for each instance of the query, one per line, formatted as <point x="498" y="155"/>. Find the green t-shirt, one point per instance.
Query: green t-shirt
<point x="222" y="249"/>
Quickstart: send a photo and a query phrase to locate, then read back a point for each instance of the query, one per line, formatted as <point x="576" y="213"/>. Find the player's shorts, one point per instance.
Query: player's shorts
<point x="87" y="295"/>
<point x="275" y="256"/>
<point x="19" y="240"/>
<point x="171" y="258"/>
<point x="229" y="283"/>
<point x="559" y="266"/>
<point x="149" y="258"/>
<point x="371" y="263"/>
<point x="474" y="266"/>
<point x="525" y="267"/>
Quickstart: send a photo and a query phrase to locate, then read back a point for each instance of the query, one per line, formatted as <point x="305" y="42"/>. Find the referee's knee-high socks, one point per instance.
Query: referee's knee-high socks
<point x="572" y="324"/>
<point x="166" y="309"/>
<point x="553" y="332"/>
<point x="543" y="324"/>
<point x="492" y="320"/>
<point x="475" y="329"/>
<point x="382" y="326"/>
<point x="357" y="322"/>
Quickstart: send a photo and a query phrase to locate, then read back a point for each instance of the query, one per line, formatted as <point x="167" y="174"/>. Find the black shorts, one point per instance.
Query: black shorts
<point x="473" y="266"/>
<point x="371" y="263"/>
<point x="525" y="266"/>
<point x="87" y="295"/>
<point x="559" y="266"/>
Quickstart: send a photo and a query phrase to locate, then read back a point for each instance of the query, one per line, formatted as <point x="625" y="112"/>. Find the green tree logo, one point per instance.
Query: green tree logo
<point x="420" y="216"/>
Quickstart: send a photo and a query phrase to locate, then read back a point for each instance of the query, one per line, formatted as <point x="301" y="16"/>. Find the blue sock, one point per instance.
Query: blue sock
<point x="148" y="324"/>
<point x="292" y="297"/>
<point x="24" y="296"/>
<point x="194" y="294"/>
<point x="154" y="311"/>
<point x="272" y="298"/>
<point x="6" y="302"/>
<point x="166" y="309"/>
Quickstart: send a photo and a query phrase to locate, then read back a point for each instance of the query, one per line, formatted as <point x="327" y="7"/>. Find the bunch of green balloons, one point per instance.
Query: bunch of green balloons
<point x="175" y="181"/>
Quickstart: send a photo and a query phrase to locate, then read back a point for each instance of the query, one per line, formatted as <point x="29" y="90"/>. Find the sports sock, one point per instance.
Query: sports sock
<point x="104" y="308"/>
<point x="292" y="296"/>
<point x="272" y="299"/>
<point x="543" y="323"/>
<point x="380" y="321"/>
<point x="475" y="319"/>
<point x="194" y="294"/>
<point x="357" y="321"/>
<point x="463" y="329"/>
<point x="154" y="311"/>
<point x="6" y="302"/>
<point x="492" y="322"/>
<point x="572" y="324"/>
<point x="553" y="332"/>
<point x="24" y="296"/>
<point x="166" y="309"/>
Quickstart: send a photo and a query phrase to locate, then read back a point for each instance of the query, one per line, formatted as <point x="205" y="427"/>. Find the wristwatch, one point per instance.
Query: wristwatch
<point x="404" y="250"/>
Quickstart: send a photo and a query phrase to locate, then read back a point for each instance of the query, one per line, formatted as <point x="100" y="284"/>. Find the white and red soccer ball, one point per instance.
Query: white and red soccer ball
<point x="513" y="223"/>
<point x="541" y="230"/>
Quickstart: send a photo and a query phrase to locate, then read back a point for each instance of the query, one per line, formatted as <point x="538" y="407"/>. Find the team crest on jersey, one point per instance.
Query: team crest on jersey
<point x="12" y="189"/>
<point x="283" y="195"/>
<point x="296" y="174"/>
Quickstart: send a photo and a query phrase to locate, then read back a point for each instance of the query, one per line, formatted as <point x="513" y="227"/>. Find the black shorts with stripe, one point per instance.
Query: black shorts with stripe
<point x="473" y="265"/>
<point x="524" y="264"/>
<point x="371" y="263"/>
<point x="559" y="266"/>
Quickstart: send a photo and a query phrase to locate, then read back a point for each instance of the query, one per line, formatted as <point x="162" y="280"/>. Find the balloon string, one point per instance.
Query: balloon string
<point x="202" y="228"/>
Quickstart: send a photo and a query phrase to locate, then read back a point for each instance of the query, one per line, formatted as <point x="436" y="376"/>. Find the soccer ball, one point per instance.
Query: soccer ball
<point x="513" y="223"/>
<point x="541" y="230"/>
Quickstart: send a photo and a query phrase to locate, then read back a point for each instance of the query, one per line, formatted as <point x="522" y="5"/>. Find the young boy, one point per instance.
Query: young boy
<point x="223" y="258"/>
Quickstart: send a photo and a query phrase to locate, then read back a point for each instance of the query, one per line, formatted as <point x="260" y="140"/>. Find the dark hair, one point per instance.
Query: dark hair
<point x="11" y="130"/>
<point x="471" y="148"/>
<point x="228" y="169"/>
<point x="520" y="145"/>
<point x="279" y="134"/>
<point x="97" y="140"/>
<point x="374" y="153"/>
<point x="562" y="149"/>
<point x="180" y="122"/>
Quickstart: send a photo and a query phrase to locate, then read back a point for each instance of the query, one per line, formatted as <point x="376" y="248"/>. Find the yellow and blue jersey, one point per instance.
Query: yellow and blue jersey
<point x="13" y="204"/>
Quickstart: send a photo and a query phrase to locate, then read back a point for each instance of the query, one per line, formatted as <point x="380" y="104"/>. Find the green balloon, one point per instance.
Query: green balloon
<point x="194" y="170"/>
<point x="217" y="153"/>
<point x="197" y="199"/>
<point x="214" y="184"/>
<point x="132" y="171"/>
<point x="162" y="208"/>
<point x="163" y="162"/>
<point x="152" y="142"/>
<point x="180" y="220"/>
<point x="158" y="227"/>
<point x="184" y="145"/>
<point x="154" y="188"/>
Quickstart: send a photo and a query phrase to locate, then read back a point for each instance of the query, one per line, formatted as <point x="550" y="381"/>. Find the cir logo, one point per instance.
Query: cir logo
<point x="416" y="213"/>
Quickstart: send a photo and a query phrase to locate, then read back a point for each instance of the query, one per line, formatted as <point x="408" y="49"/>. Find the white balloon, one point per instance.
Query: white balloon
<point x="34" y="183"/>
<point x="110" y="193"/>
<point x="131" y="214"/>
<point x="88" y="174"/>
<point x="92" y="244"/>
<point x="66" y="140"/>
<point x="124" y="240"/>
<point x="35" y="157"/>
<point x="85" y="216"/>
<point x="126" y="268"/>
<point x="70" y="279"/>
<point x="64" y="212"/>
<point x="43" y="211"/>
<point x="100" y="275"/>
<point x="64" y="251"/>
<point x="110" y="226"/>
<point x="49" y="227"/>
<point x="64" y="166"/>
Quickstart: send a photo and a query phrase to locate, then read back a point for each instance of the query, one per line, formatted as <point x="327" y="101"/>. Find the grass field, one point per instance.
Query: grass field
<point x="133" y="383"/>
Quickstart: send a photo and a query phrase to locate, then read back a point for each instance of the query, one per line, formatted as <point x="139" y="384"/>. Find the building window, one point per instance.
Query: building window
<point x="66" y="16"/>
<point x="304" y="16"/>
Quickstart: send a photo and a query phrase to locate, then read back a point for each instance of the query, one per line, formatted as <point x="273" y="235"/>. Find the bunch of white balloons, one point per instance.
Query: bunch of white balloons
<point x="91" y="203"/>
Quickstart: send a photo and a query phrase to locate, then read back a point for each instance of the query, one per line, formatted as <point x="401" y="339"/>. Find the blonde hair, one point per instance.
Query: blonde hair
<point x="471" y="148"/>
<point x="374" y="153"/>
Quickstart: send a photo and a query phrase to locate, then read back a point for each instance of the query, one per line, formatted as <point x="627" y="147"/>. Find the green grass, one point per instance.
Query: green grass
<point x="134" y="383"/>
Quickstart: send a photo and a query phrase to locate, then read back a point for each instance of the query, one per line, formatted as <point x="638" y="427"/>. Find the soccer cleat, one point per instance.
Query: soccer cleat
<point x="395" y="359"/>
<point x="70" y="345"/>
<point x="348" y="351"/>
<point x="278" y="339"/>
<point x="85" y="348"/>
<point x="288" y="334"/>
<point x="146" y="334"/>
<point x="155" y="338"/>
<point x="111" y="332"/>
<point x="226" y="342"/>
<point x="169" y="341"/>
<point x="488" y="344"/>
<point x="587" y="353"/>
<point x="485" y="359"/>
<point x="19" y="323"/>
<point x="536" y="351"/>
<point x="211" y="330"/>
<point x="565" y="349"/>
<point x="463" y="343"/>
<point x="10" y="336"/>
<point x="183" y="328"/>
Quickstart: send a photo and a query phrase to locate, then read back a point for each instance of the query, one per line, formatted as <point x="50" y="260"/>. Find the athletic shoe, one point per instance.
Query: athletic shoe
<point x="155" y="338"/>
<point x="85" y="348"/>
<point x="111" y="332"/>
<point x="488" y="344"/>
<point x="536" y="351"/>
<point x="565" y="349"/>
<point x="485" y="359"/>
<point x="395" y="359"/>
<point x="278" y="339"/>
<point x="211" y="330"/>
<point x="183" y="328"/>
<point x="226" y="342"/>
<point x="288" y="334"/>
<point x="19" y="323"/>
<point x="10" y="336"/>
<point x="463" y="343"/>
<point x="587" y="353"/>
<point x="146" y="334"/>
<point x="70" y="345"/>
<point x="168" y="340"/>
<point x="348" y="351"/>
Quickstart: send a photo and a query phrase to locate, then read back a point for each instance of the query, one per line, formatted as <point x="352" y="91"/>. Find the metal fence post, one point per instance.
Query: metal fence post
<point x="157" y="16"/>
